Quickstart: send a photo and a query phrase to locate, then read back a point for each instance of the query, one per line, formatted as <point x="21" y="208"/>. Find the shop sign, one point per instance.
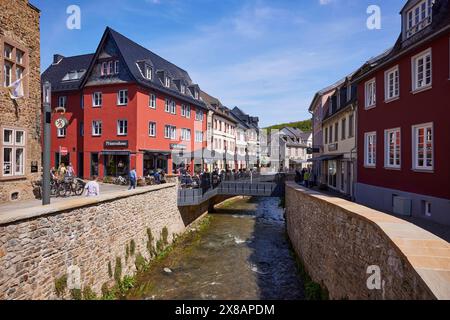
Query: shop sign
<point x="177" y="146"/>
<point x="116" y="144"/>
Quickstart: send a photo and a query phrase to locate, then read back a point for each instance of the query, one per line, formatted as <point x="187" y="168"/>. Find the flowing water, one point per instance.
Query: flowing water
<point x="243" y="254"/>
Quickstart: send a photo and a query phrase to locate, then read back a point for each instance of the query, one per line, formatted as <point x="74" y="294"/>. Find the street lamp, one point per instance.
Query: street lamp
<point x="47" y="99"/>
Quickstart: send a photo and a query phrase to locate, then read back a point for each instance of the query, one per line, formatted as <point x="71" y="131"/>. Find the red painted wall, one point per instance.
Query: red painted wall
<point x="137" y="112"/>
<point x="411" y="109"/>
<point x="74" y="113"/>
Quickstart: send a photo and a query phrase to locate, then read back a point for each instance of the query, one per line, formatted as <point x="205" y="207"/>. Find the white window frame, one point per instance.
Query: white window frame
<point x="387" y="147"/>
<point x="148" y="72"/>
<point x="416" y="19"/>
<point x="170" y="132"/>
<point x="97" y="97"/>
<point x="116" y="67"/>
<point x="198" y="136"/>
<point x="199" y="115"/>
<point x="416" y="87"/>
<point x="97" y="133"/>
<point x="152" y="100"/>
<point x="183" y="89"/>
<point x="367" y="136"/>
<point x="122" y="95"/>
<point x="415" y="158"/>
<point x="152" y="129"/>
<point x="167" y="82"/>
<point x="185" y="134"/>
<point x="13" y="145"/>
<point x="167" y="105"/>
<point x="62" y="101"/>
<point x="370" y="94"/>
<point x="61" y="132"/>
<point x="395" y="88"/>
<point x="173" y="107"/>
<point x="122" y="127"/>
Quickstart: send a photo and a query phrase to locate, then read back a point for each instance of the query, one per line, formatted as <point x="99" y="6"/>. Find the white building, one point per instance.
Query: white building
<point x="294" y="145"/>
<point x="221" y="135"/>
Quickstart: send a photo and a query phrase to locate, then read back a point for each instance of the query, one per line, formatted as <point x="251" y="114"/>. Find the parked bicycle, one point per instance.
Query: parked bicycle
<point x="121" y="181"/>
<point x="71" y="186"/>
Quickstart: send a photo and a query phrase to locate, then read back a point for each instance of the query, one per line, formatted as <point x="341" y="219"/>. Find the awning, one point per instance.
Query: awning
<point x="157" y="152"/>
<point x="114" y="153"/>
<point x="327" y="157"/>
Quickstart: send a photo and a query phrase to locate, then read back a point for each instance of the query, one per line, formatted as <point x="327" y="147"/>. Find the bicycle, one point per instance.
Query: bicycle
<point x="121" y="181"/>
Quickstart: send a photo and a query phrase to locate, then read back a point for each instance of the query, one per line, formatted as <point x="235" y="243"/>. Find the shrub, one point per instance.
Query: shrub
<point x="110" y="273"/>
<point x="132" y="247"/>
<point x="118" y="270"/>
<point x="76" y="294"/>
<point x="164" y="236"/>
<point x="61" y="286"/>
<point x="89" y="294"/>
<point x="140" y="263"/>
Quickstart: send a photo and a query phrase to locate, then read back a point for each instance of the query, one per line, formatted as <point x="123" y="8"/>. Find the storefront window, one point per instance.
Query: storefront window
<point x="117" y="165"/>
<point x="94" y="164"/>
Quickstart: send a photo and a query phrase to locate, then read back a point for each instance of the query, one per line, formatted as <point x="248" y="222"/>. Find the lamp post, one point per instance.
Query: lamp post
<point x="47" y="97"/>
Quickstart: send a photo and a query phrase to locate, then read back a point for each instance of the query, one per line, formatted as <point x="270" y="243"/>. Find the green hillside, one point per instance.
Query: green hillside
<point x="305" y="125"/>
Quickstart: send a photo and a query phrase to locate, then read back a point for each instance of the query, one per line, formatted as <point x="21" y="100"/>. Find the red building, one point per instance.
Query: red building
<point x="126" y="107"/>
<point x="404" y="118"/>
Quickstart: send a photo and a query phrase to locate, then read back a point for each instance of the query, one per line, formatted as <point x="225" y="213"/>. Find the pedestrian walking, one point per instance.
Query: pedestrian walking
<point x="306" y="179"/>
<point x="92" y="188"/>
<point x="133" y="179"/>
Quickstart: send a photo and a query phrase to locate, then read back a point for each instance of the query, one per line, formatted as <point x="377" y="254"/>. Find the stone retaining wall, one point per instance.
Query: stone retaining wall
<point x="343" y="245"/>
<point x="38" y="245"/>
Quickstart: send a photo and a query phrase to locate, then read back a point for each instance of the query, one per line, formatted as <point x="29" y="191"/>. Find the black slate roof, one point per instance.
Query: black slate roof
<point x="132" y="53"/>
<point x="56" y="72"/>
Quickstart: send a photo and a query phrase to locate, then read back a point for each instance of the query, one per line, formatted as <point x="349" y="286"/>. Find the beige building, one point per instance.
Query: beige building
<point x="339" y="142"/>
<point x="20" y="120"/>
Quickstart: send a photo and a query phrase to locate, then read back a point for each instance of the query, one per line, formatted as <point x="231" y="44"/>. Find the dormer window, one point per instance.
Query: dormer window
<point x="183" y="89"/>
<point x="196" y="94"/>
<point x="167" y="82"/>
<point x="74" y="75"/>
<point x="148" y="73"/>
<point x="419" y="17"/>
<point x="109" y="68"/>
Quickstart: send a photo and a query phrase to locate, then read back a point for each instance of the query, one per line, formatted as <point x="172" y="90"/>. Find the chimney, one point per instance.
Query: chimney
<point x="57" y="58"/>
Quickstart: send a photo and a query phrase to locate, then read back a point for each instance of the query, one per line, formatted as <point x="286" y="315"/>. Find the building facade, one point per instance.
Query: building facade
<point x="294" y="145"/>
<point x="404" y="118"/>
<point x="221" y="135"/>
<point x="317" y="109"/>
<point x="20" y="120"/>
<point x="253" y="154"/>
<point x="126" y="108"/>
<point x="339" y="151"/>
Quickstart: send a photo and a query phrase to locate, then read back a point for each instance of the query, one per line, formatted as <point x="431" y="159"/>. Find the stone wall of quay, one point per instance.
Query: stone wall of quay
<point x="342" y="245"/>
<point x="38" y="245"/>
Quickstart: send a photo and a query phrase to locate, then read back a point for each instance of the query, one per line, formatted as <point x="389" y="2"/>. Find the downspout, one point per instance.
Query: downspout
<point x="355" y="148"/>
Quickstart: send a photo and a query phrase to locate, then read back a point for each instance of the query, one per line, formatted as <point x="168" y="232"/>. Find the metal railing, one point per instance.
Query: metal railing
<point x="255" y="185"/>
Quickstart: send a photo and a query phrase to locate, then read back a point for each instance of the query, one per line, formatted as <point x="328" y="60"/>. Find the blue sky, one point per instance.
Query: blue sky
<point x="267" y="57"/>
